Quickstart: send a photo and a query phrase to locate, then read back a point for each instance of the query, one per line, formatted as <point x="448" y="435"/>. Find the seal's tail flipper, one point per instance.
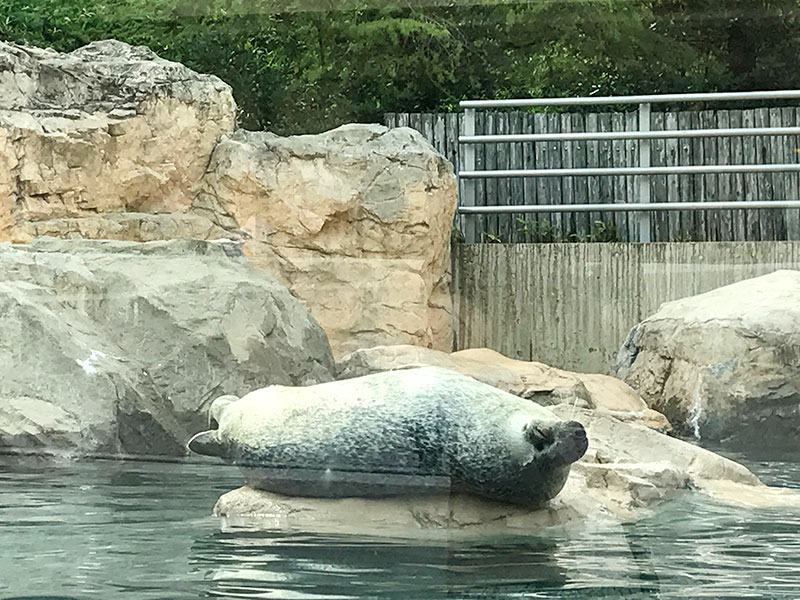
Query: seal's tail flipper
<point x="206" y="442"/>
<point x="217" y="408"/>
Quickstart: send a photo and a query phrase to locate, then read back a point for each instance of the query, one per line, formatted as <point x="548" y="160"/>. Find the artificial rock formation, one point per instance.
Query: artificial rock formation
<point x="108" y="141"/>
<point x="724" y="364"/>
<point x="530" y="380"/>
<point x="112" y="142"/>
<point x="117" y="347"/>
<point x="355" y="221"/>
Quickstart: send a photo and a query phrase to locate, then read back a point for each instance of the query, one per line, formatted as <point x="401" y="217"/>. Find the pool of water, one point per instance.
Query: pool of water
<point x="142" y="530"/>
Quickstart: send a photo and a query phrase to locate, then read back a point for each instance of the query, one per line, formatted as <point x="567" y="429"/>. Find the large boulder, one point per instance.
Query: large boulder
<point x="530" y="380"/>
<point x="117" y="347"/>
<point x="355" y="221"/>
<point x="105" y="130"/>
<point x="724" y="365"/>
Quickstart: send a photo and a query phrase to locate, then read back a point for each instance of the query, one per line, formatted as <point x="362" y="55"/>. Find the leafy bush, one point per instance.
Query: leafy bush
<point x="307" y="66"/>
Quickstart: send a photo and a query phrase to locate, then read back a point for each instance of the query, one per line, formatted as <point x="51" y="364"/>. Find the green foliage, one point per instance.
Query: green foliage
<point x="305" y="66"/>
<point x="749" y="42"/>
<point x="340" y="67"/>
<point x="539" y="231"/>
<point x="456" y="235"/>
<point x="603" y="231"/>
<point x="488" y="237"/>
<point x="542" y="231"/>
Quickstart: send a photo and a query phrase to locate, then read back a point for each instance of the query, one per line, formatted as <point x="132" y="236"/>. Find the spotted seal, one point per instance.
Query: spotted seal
<point x="421" y="430"/>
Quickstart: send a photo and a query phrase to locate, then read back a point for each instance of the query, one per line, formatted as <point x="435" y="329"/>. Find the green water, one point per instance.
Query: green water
<point x="105" y="529"/>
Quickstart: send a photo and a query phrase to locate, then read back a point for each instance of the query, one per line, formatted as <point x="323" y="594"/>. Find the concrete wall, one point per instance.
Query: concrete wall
<point x="572" y="305"/>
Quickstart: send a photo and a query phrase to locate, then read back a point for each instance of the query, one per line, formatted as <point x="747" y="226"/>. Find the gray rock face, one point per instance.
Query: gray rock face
<point x="109" y="73"/>
<point x="724" y="364"/>
<point x="120" y="347"/>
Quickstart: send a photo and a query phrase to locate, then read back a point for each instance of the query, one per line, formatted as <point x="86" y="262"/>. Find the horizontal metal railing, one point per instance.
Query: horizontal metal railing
<point x="627" y="135"/>
<point x="631" y="206"/>
<point x="638" y="99"/>
<point x="468" y="174"/>
<point x="677" y="170"/>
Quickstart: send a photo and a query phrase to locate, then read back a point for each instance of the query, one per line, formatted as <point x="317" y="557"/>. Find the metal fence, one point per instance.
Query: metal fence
<point x="626" y="166"/>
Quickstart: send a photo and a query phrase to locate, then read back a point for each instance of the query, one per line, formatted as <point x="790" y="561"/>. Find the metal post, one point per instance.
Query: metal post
<point x="469" y="224"/>
<point x="643" y="181"/>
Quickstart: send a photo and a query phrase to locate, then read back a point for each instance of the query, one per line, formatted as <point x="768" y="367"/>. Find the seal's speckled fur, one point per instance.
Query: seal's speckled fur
<point x="399" y="432"/>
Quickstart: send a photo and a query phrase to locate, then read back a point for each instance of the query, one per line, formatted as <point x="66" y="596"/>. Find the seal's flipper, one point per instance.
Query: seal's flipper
<point x="206" y="442"/>
<point x="217" y="408"/>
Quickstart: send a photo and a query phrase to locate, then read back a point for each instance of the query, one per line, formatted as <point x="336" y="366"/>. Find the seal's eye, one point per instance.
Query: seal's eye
<point x="538" y="436"/>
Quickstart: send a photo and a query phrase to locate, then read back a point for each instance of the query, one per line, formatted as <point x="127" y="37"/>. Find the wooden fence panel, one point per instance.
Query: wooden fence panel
<point x="725" y="182"/>
<point x="737" y="157"/>
<point x="671" y="151"/>
<point x="659" y="221"/>
<point x="631" y="158"/>
<point x="442" y="130"/>
<point x="792" y="148"/>
<point x="581" y="185"/>
<point x="618" y="192"/>
<point x="516" y="190"/>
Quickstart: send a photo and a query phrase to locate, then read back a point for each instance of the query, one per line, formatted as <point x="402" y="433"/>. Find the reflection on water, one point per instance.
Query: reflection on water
<point x="339" y="567"/>
<point x="143" y="530"/>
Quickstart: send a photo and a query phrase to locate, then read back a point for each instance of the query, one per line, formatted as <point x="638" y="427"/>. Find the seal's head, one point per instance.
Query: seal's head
<point x="544" y="469"/>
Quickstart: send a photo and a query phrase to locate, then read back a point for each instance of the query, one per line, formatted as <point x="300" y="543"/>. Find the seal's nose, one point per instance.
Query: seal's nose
<point x="573" y="441"/>
<point x="574" y="428"/>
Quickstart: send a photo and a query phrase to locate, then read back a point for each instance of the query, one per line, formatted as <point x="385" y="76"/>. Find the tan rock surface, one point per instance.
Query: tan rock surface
<point x="530" y="380"/>
<point x="134" y="135"/>
<point x="612" y="441"/>
<point x="355" y="221"/>
<point x="248" y="507"/>
<point x="635" y="467"/>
